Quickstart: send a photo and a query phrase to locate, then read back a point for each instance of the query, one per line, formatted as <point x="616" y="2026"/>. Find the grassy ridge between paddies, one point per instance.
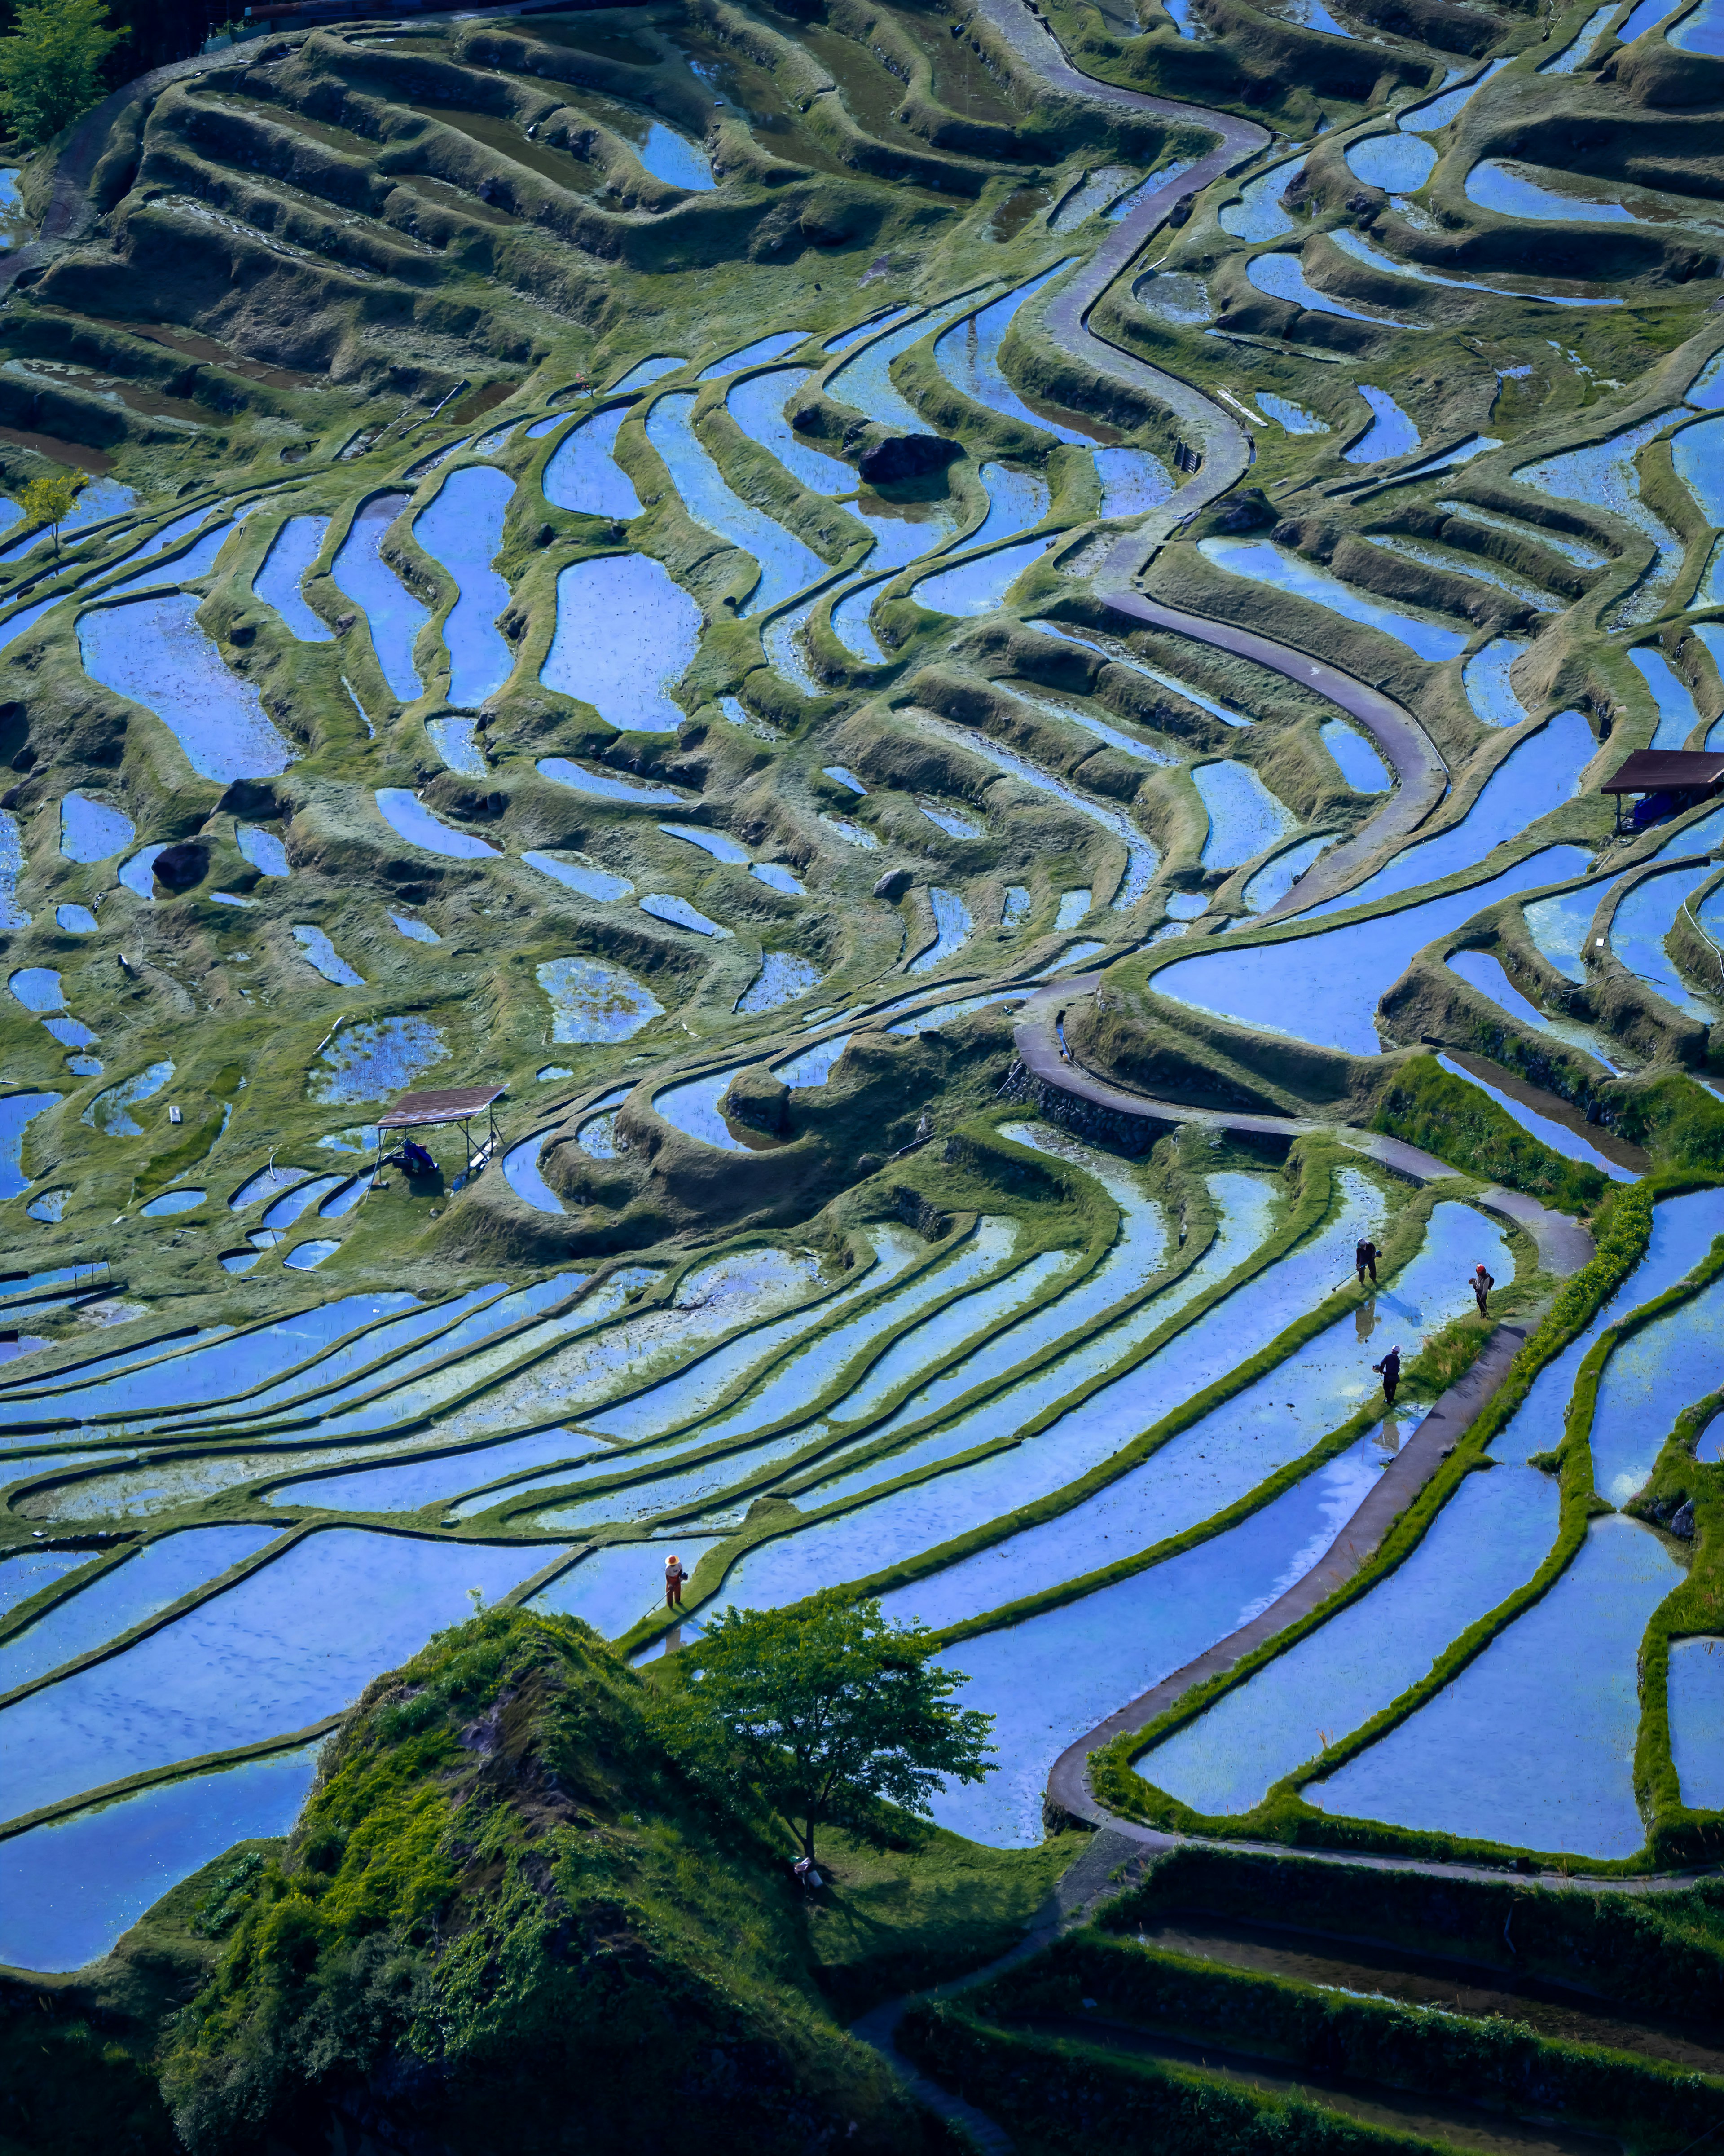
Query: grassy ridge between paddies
<point x="1623" y="1228"/>
<point x="1662" y="1951"/>
<point x="1310" y="1167"/>
<point x="1482" y="2060"/>
<point x="1058" y="2094"/>
<point x="1682" y="1833"/>
<point x="1428" y="1108"/>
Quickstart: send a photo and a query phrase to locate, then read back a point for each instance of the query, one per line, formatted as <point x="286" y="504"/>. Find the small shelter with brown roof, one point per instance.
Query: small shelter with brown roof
<point x="452" y="1104"/>
<point x="1667" y="780"/>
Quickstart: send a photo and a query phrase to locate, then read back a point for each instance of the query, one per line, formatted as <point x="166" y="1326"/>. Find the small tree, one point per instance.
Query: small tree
<point x="825" y="1713"/>
<point x="50" y="64"/>
<point x="48" y="499"/>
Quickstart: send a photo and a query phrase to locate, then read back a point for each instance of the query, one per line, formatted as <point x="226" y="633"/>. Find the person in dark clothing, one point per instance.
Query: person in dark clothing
<point x="415" y="1160"/>
<point x="1365" y="1256"/>
<point x="1390" y="1370"/>
<point x="1482" y="1283"/>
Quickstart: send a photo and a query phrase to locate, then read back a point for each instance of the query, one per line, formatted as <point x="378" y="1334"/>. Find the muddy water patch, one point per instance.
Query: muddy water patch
<point x="591" y="1001"/>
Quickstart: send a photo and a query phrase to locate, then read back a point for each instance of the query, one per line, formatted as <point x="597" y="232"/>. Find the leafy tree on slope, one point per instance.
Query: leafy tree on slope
<point x="823" y="1710"/>
<point x="50" y="64"/>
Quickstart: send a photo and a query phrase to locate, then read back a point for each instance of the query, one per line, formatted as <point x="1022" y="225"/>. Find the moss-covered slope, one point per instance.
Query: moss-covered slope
<point x="504" y="1899"/>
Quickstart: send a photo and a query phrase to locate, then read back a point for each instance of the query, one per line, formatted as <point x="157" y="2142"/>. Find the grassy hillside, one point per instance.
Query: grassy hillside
<point x="504" y="1895"/>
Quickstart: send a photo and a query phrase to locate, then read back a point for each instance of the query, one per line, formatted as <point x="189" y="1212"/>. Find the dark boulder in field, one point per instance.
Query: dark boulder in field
<point x="906" y="456"/>
<point x="182" y="866"/>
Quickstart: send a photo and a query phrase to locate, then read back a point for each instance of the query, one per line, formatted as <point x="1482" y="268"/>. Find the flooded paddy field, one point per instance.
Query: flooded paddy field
<point x="830" y="798"/>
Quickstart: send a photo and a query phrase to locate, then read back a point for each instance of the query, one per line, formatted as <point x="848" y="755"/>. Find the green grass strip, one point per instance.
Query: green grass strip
<point x="1624" y="1232"/>
<point x="1479" y="2059"/>
<point x="1082" y="2098"/>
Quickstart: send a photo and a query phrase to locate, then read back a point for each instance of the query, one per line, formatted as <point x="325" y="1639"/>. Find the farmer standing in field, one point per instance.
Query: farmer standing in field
<point x="1365" y="1256"/>
<point x="1390" y="1370"/>
<point x="674" y="1578"/>
<point x="1482" y="1283"/>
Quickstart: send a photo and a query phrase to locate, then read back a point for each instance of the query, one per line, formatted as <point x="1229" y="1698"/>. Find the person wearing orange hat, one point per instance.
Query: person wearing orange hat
<point x="674" y="1578"/>
<point x="1481" y="1285"/>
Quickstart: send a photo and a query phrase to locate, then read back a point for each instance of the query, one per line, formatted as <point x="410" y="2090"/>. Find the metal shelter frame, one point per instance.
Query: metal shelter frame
<point x="457" y="1104"/>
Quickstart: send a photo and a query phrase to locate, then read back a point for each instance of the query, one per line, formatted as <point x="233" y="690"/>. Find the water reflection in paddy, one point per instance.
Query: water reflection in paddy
<point x="1325" y="988"/>
<point x="394" y="615"/>
<point x="864" y="382"/>
<point x="786" y="564"/>
<point x="1566" y="1667"/>
<point x="1490" y="1537"/>
<point x="1536" y="776"/>
<point x="1244" y="817"/>
<point x="1235" y="1446"/>
<point x="463" y="529"/>
<point x="1264" y="563"/>
<point x="1174" y="1486"/>
<point x="1639" y="926"/>
<point x="968" y="355"/>
<point x="155" y="1576"/>
<point x="1646" y="1383"/>
<point x="1557" y="1136"/>
<point x="405" y="814"/>
<point x="582" y="473"/>
<point x="154" y="652"/>
<point x="293" y="1642"/>
<point x="68" y="1890"/>
<point x="1697" y="1711"/>
<point x="758" y="408"/>
<point x="1485" y="973"/>
<point x="93" y="830"/>
<point x="1049" y="1679"/>
<point x="625" y="632"/>
<point x="980" y="585"/>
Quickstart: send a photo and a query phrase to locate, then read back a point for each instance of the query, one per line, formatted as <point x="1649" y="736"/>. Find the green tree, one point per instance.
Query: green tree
<point x="48" y="499"/>
<point x="50" y="64"/>
<point x="825" y="1710"/>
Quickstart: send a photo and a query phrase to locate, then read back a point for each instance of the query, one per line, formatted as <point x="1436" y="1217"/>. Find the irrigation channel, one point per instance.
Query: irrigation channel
<point x="1113" y="1440"/>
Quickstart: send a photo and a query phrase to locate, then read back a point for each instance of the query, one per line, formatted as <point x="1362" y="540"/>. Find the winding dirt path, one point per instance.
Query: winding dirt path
<point x="1227" y="452"/>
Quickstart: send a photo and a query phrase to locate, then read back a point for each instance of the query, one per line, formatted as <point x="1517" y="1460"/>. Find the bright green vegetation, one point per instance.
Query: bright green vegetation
<point x="503" y="1888"/>
<point x="1428" y="1108"/>
<point x="448" y="639"/>
<point x="825" y="1716"/>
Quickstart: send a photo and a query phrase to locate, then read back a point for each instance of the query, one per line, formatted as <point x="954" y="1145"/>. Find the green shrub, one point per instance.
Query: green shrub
<point x="1445" y="1116"/>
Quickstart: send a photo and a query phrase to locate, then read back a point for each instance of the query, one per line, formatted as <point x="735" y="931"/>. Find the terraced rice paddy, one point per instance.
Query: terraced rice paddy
<point x="697" y="687"/>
